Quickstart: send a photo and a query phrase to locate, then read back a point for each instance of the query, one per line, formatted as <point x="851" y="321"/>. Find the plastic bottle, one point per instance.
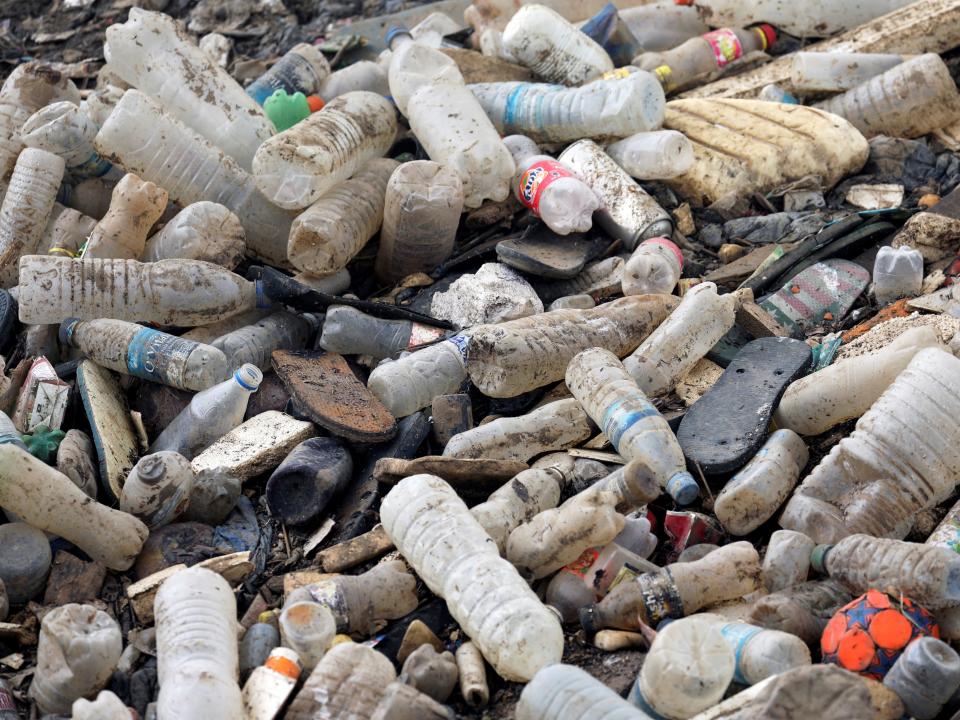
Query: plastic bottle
<point x="432" y="673"/>
<point x="634" y="484"/>
<point x="753" y="495"/>
<point x="326" y="236"/>
<point x="107" y="706"/>
<point x="802" y="610"/>
<point x="55" y="288"/>
<point x="484" y="593"/>
<point x="349" y="331"/>
<point x="895" y="104"/>
<point x="849" y="387"/>
<point x="656" y="155"/>
<point x="361" y="75"/>
<point x="64" y="129"/>
<point x="775" y="93"/>
<point x="421" y="214"/>
<point x="662" y="25"/>
<point x="654" y="267"/>
<point x="9" y="433"/>
<point x="787" y="560"/>
<point x="629" y="213"/>
<point x="431" y="30"/>
<point x="897" y="273"/>
<point x="146" y="353"/>
<point x="78" y="651"/>
<point x="564" y="692"/>
<point x="702" y="318"/>
<point x="201" y="231"/>
<point x="677" y="590"/>
<point x="413" y="381"/>
<point x="601" y="384"/>
<point x="554" y="49"/>
<point x="50" y="501"/>
<point x="760" y="653"/>
<point x="925" y="676"/>
<point x="253" y="344"/>
<point x="257" y="643"/>
<point x="837" y="71"/>
<point x="573" y="302"/>
<point x="191" y="169"/>
<point x="25" y="563"/>
<point x="26" y="208"/>
<point x="298" y="166"/>
<point x="197" y="666"/>
<point x="210" y="415"/>
<point x="153" y="54"/>
<point x="157" y="490"/>
<point x="307" y="627"/>
<point x="303" y="68"/>
<point x="266" y="691"/>
<point x="898" y="460"/>
<point x="67" y="229"/>
<point x="8" y="706"/>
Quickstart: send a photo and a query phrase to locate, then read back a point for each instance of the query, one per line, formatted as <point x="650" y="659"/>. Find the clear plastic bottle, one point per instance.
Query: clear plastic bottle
<point x="26" y="208"/>
<point x="326" y="236"/>
<point x="191" y="169"/>
<point x="601" y="384"/>
<point x="413" y="381"/>
<point x="9" y="435"/>
<point x="661" y="26"/>
<point x="802" y="610"/>
<point x="786" y="561"/>
<point x="925" y="676"/>
<point x="435" y="532"/>
<point x="197" y="663"/>
<point x="153" y="53"/>
<point x="361" y="75"/>
<point x="753" y="495"/>
<point x="67" y="229"/>
<point x="297" y="167"/>
<point x="775" y="93"/>
<point x="307" y="627"/>
<point x="135" y="205"/>
<point x="107" y="706"/>
<point x="421" y="214"/>
<point x="210" y="415"/>
<point x="564" y="692"/>
<point x="894" y="103"/>
<point x="253" y="344"/>
<point x="269" y="686"/>
<point x="837" y="71"/>
<point x="897" y="273"/>
<point x="146" y="353"/>
<point x="79" y="649"/>
<point x="698" y="323"/>
<point x="599" y="279"/>
<point x="203" y="230"/>
<point x="303" y="68"/>
<point x="349" y="331"/>
<point x="656" y="155"/>
<point x="64" y="129"/>
<point x="629" y="213"/>
<point x="654" y="267"/>
<point x="431" y="30"/>
<point x="25" y="562"/>
<point x="760" y="653"/>
<point x="53" y="289"/>
<point x="548" y="44"/>
<point x="157" y="490"/>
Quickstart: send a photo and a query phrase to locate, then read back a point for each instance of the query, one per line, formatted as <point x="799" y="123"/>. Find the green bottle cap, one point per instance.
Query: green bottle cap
<point x="43" y="443"/>
<point x="284" y="110"/>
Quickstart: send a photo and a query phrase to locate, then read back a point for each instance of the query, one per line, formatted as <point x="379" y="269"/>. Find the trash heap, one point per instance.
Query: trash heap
<point x="554" y="361"/>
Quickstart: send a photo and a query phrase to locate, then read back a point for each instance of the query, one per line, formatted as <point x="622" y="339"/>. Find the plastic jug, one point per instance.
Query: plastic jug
<point x="64" y="129"/>
<point x="897" y="273"/>
<point x="201" y="231"/>
<point x="655" y="155"/>
<point x="564" y="692"/>
<point x="925" y="676"/>
<point x="349" y="331"/>
<point x="303" y="68"/>
<point x="412" y="382"/>
<point x="760" y="653"/>
<point x="254" y="344"/>
<point x="837" y="71"/>
<point x="307" y="628"/>
<point x="266" y="691"/>
<point x="787" y="560"/>
<point x="654" y="267"/>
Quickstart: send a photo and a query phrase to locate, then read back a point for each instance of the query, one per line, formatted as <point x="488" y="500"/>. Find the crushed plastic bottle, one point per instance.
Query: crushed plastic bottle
<point x="64" y="129"/>
<point x="925" y="676"/>
<point x="254" y="344"/>
<point x="897" y="273"/>
<point x="201" y="231"/>
<point x="412" y="382"/>
<point x="348" y="682"/>
<point x="157" y="490"/>
<point x="802" y="610"/>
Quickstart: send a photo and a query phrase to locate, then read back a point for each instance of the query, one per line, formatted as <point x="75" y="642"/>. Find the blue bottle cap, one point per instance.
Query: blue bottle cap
<point x="393" y="32"/>
<point x="66" y="330"/>
<point x="683" y="488"/>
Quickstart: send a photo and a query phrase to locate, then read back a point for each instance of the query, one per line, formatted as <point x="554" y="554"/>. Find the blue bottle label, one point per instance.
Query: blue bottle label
<point x="617" y="419"/>
<point x="157" y="356"/>
<point x="94" y="166"/>
<point x="737" y="636"/>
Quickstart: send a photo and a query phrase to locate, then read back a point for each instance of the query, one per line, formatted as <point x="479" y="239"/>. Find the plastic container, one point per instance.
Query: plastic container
<point x="154" y="55"/>
<point x="197" y="666"/>
<point x="895" y="104"/>
<point x="601" y="384"/>
<point x="308" y="479"/>
<point x="435" y="532"/>
<point x="412" y="382"/>
<point x="78" y="651"/>
<point x="307" y="627"/>
<point x="661" y="26"/>
<point x="107" y="706"/>
<point x="897" y="273"/>
<point x="756" y="492"/>
<point x="63" y="129"/>
<point x="849" y="387"/>
<point x="157" y="490"/>
<point x="254" y="344"/>
<point x="670" y="352"/>
<point x="210" y="415"/>
<point x="53" y="289"/>
<point x="303" y="68"/>
<point x="787" y="560"/>
<point x="760" y="653"/>
<point x="257" y="643"/>
<point x="656" y="155"/>
<point x="654" y="267"/>
<point x="191" y="169"/>
<point x="25" y="562"/>
<point x="135" y="205"/>
<point x="146" y="353"/>
<point x="837" y="71"/>
<point x="925" y="676"/>
<point x="201" y="231"/>
<point x="629" y="214"/>
<point x="564" y="692"/>
<point x="421" y="214"/>
<point x="349" y="331"/>
<point x="431" y="30"/>
<point x="802" y="610"/>
<point x="26" y="208"/>
<point x="266" y="691"/>
<point x="361" y="75"/>
<point x="326" y="236"/>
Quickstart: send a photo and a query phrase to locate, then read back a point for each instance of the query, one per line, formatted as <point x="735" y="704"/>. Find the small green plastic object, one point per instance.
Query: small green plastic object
<point x="284" y="110"/>
<point x="43" y="443"/>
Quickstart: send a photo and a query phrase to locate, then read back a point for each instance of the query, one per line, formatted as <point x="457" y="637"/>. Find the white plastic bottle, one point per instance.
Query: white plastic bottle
<point x="157" y="490"/>
<point x="787" y="560"/>
<point x="702" y="318"/>
<point x="656" y="155"/>
<point x="549" y="190"/>
<point x="431" y="30"/>
<point x="601" y="384"/>
<point x="361" y="75"/>
<point x="210" y="415"/>
<point x="837" y="71"/>
<point x="201" y="231"/>
<point x="925" y="676"/>
<point x="760" y="653"/>
<point x="565" y="692"/>
<point x="107" y="706"/>
<point x="197" y="657"/>
<point x="65" y="130"/>
<point x="662" y="25"/>
<point x="413" y="381"/>
<point x="253" y="344"/>
<point x="266" y="691"/>
<point x="135" y="205"/>
<point x="548" y="44"/>
<point x="154" y="54"/>
<point x="897" y="273"/>
<point x="654" y="267"/>
<point x="435" y="532"/>
<point x="307" y="627"/>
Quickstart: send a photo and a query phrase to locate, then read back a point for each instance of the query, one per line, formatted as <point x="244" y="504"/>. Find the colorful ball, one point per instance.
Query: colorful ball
<point x="867" y="635"/>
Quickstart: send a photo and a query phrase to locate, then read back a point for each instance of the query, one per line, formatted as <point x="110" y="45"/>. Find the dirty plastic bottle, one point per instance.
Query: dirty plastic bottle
<point x="201" y="231"/>
<point x="802" y="610"/>
<point x="849" y="387"/>
<point x="197" y="665"/>
<point x="79" y="649"/>
<point x="485" y="595"/>
<point x="634" y="484"/>
<point x="573" y="302"/>
<point x="64" y="129"/>
<point x="307" y="627"/>
<point x="256" y="645"/>
<point x="601" y="384"/>
<point x="157" y="490"/>
<point x="564" y="692"/>
<point x="303" y="68"/>
<point x="656" y="155"/>
<point x="760" y="653"/>
<point x="107" y="706"/>
<point x="53" y="289"/>
<point x="9" y="433"/>
<point x="268" y="687"/>
<point x="211" y="414"/>
<point x="421" y="214"/>
<point x="431" y="30"/>
<point x="412" y="382"/>
<point x="152" y="53"/>
<point x="894" y="104"/>
<point x="25" y="563"/>
<point x="787" y="560"/>
<point x="775" y="93"/>
<point x="677" y="590"/>
<point x="654" y="267"/>
<point x="754" y="494"/>
<point x="837" y="71"/>
<point x="66" y="231"/>
<point x="925" y="676"/>
<point x="349" y="331"/>
<point x="549" y="190"/>
<point x="662" y="25"/>
<point x="253" y="344"/>
<point x="432" y="673"/>
<point x="629" y="214"/>
<point x="146" y="353"/>
<point x="551" y="47"/>
<point x="135" y="205"/>
<point x="600" y="279"/>
<point x="326" y="236"/>
<point x="701" y="320"/>
<point x="897" y="273"/>
<point x="361" y="75"/>
<point x="191" y="169"/>
<point x="298" y="166"/>
<point x="26" y="208"/>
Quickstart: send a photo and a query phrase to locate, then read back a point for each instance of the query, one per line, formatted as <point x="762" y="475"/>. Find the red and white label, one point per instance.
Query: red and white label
<point x="537" y="178"/>
<point x="667" y="245"/>
<point x="725" y="45"/>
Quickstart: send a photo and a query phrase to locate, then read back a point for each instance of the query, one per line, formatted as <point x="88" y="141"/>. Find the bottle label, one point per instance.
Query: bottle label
<point x="725" y="45"/>
<point x="516" y="105"/>
<point x="423" y="335"/>
<point x="667" y="245"/>
<point x="627" y="572"/>
<point x="665" y="76"/>
<point x="581" y="566"/>
<point x="661" y="599"/>
<point x="737" y="636"/>
<point x="328" y="595"/>
<point x="617" y="419"/>
<point x="461" y="342"/>
<point x="157" y="356"/>
<point x="537" y="178"/>
<point x="93" y="166"/>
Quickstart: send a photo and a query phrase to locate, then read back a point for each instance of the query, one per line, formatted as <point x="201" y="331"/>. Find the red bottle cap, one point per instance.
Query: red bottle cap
<point x="315" y="102"/>
<point x="768" y="33"/>
<point x="684" y="2"/>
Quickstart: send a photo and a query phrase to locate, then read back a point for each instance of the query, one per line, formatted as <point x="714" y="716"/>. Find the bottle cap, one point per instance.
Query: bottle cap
<point x="588" y="619"/>
<point x="818" y="558"/>
<point x="315" y="102"/>
<point x="284" y="110"/>
<point x="768" y="34"/>
<point x="248" y="377"/>
<point x="684" y="2"/>
<point x="683" y="488"/>
<point x="394" y="32"/>
<point x="66" y="330"/>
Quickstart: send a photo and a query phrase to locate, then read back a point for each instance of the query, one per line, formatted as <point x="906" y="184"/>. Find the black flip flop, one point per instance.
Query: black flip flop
<point x="8" y="313"/>
<point x="725" y="427"/>
<point x="545" y="254"/>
